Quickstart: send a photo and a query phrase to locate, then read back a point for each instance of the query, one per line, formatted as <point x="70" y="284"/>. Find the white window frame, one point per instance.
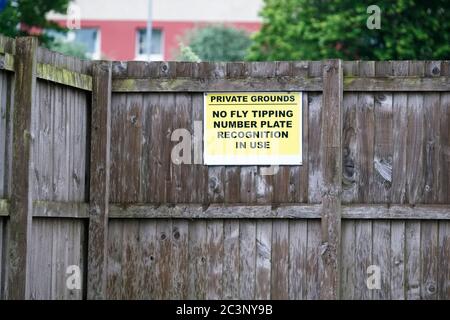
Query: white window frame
<point x="153" y="57"/>
<point x="97" y="54"/>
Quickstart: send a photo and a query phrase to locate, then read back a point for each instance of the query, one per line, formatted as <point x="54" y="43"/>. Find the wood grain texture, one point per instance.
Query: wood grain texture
<point x="231" y="259"/>
<point x="263" y="259"/>
<point x="280" y="264"/>
<point x="248" y="253"/>
<point x="99" y="180"/>
<point x="57" y="244"/>
<point x="6" y="107"/>
<point x="332" y="179"/>
<point x="21" y="185"/>
<point x="298" y="249"/>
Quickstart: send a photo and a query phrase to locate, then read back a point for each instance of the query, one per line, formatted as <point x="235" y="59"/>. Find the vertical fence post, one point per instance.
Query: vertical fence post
<point x="21" y="202"/>
<point x="99" y="179"/>
<point x="332" y="178"/>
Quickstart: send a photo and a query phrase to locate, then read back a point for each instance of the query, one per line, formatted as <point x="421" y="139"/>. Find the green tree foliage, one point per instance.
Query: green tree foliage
<point x="319" y="29"/>
<point x="21" y="17"/>
<point x="186" y="54"/>
<point x="73" y="49"/>
<point x="216" y="43"/>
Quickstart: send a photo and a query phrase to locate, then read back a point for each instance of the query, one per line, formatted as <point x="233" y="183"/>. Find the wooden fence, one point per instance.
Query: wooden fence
<point x="86" y="180"/>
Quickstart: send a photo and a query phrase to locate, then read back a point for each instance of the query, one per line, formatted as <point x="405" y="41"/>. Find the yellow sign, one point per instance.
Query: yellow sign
<point x="245" y="128"/>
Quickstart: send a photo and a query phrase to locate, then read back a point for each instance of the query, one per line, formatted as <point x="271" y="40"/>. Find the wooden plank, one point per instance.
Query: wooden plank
<point x="399" y="136"/>
<point x="126" y="130"/>
<point x="397" y="260"/>
<point x="130" y="252"/>
<point x="79" y="145"/>
<point x="4" y="122"/>
<point x="282" y="83"/>
<point x="444" y="261"/>
<point x="198" y="273"/>
<point x="313" y="286"/>
<point x="60" y="145"/>
<point x="41" y="260"/>
<point x="247" y="265"/>
<point x="332" y="179"/>
<point x="214" y="260"/>
<point x="56" y="209"/>
<point x="194" y="211"/>
<point x="179" y="259"/>
<point x="219" y="211"/>
<point x="99" y="180"/>
<point x="399" y="212"/>
<point x="231" y="259"/>
<point x="298" y="237"/>
<point x="282" y="211"/>
<point x="21" y="186"/>
<point x="381" y="257"/>
<point x="63" y="255"/>
<point x="64" y="76"/>
<point x="162" y="259"/>
<point x="363" y="249"/>
<point x="263" y="259"/>
<point x="157" y="163"/>
<point x="415" y="142"/>
<point x="396" y="84"/>
<point x="146" y="188"/>
<point x="429" y="249"/>
<point x="350" y="165"/>
<point x="444" y="191"/>
<point x="431" y="103"/>
<point x="260" y="84"/>
<point x="412" y="260"/>
<point x="280" y="260"/>
<point x="44" y="148"/>
<point x="348" y="260"/>
<point x="315" y="155"/>
<point x="115" y="259"/>
<point x="444" y="150"/>
<point x="380" y="186"/>
<point x="365" y="120"/>
<point x="146" y="272"/>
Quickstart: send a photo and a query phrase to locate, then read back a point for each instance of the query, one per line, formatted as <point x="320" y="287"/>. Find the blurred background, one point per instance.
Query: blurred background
<point x="234" y="30"/>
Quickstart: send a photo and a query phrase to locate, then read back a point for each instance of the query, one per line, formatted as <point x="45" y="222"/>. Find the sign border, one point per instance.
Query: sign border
<point x="246" y="160"/>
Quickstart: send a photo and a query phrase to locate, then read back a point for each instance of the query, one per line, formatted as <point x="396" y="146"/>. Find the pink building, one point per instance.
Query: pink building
<point x="115" y="29"/>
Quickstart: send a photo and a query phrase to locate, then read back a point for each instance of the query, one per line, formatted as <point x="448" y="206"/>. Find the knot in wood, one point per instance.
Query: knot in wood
<point x="176" y="234"/>
<point x="431" y="288"/>
<point x="94" y="210"/>
<point x="333" y="191"/>
<point x="381" y="97"/>
<point x="435" y="71"/>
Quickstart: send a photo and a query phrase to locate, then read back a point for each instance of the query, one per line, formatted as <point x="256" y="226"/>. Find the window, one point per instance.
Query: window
<point x="156" y="46"/>
<point x="89" y="38"/>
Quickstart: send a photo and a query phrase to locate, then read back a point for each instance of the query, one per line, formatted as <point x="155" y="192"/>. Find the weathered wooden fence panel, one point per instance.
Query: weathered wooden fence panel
<point x="145" y="228"/>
